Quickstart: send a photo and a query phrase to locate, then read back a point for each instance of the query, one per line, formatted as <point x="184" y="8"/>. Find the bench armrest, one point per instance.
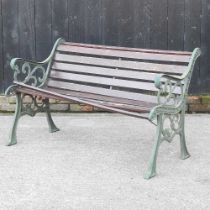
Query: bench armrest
<point x="171" y="89"/>
<point x="31" y="72"/>
<point x="171" y="95"/>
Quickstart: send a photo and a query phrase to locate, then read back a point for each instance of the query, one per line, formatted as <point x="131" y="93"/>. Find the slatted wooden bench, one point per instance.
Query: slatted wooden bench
<point x="124" y="80"/>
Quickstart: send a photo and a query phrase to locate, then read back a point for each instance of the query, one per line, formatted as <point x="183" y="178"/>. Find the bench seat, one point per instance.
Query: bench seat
<point x="129" y="81"/>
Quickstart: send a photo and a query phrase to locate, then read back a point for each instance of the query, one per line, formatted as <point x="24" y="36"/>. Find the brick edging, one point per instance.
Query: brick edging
<point x="194" y="104"/>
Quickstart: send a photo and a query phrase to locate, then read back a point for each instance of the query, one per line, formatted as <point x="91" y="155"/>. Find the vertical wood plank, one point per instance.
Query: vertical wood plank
<point x="142" y="20"/>
<point x="192" y="36"/>
<point x="126" y="23"/>
<point x="176" y="24"/>
<point x="43" y="28"/>
<point x="159" y="28"/>
<point x="93" y="21"/>
<point x="111" y="23"/>
<point x="26" y="28"/>
<point x="1" y="52"/>
<point x="205" y="47"/>
<point x="59" y="19"/>
<point x="10" y="37"/>
<point x="76" y="20"/>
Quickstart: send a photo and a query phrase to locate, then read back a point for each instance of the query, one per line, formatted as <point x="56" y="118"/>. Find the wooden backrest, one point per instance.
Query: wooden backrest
<point x="112" y="70"/>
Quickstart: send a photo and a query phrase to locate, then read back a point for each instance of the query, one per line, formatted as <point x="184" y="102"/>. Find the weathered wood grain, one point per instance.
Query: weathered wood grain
<point x="10" y="37"/>
<point x="176" y="24"/>
<point x="60" y="23"/>
<point x="1" y="51"/>
<point x="159" y="28"/>
<point x="43" y="25"/>
<point x="26" y="28"/>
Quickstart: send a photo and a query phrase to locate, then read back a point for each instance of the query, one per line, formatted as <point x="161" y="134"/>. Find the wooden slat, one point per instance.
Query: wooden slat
<point x="104" y="81"/>
<point x="123" y="106"/>
<point x="1" y="51"/>
<point x="130" y="49"/>
<point x="102" y="91"/>
<point x="10" y="37"/>
<point x="128" y="107"/>
<point x="141" y="66"/>
<point x="37" y="91"/>
<point x="59" y="25"/>
<point x="125" y="54"/>
<point x="159" y="25"/>
<point x="99" y="97"/>
<point x="104" y="71"/>
<point x="176" y="24"/>
<point x="26" y="29"/>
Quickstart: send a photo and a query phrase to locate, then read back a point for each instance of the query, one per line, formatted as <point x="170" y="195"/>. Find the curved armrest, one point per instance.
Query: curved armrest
<point x="29" y="72"/>
<point x="32" y="72"/>
<point x="171" y="89"/>
<point x="159" y="79"/>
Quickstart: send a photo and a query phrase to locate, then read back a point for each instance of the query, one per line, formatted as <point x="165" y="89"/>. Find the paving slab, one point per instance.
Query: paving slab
<point x="97" y="162"/>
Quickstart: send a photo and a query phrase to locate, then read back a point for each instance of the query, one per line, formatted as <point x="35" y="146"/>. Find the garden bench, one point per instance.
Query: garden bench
<point x="124" y="80"/>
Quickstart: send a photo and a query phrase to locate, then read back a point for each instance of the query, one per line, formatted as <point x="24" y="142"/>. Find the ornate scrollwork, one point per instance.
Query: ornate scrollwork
<point x="29" y="72"/>
<point x="33" y="105"/>
<point x="171" y="91"/>
<point x="172" y="125"/>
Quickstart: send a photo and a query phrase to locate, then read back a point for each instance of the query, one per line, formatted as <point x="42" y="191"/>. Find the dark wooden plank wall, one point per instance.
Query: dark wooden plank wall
<point x="28" y="28"/>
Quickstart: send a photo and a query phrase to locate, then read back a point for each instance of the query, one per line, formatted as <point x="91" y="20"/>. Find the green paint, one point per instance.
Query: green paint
<point x="170" y="108"/>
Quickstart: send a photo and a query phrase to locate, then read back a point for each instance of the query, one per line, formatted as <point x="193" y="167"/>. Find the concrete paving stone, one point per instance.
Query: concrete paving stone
<point x="97" y="162"/>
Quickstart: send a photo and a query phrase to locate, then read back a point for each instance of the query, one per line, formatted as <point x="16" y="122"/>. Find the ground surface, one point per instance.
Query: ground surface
<point x="96" y="162"/>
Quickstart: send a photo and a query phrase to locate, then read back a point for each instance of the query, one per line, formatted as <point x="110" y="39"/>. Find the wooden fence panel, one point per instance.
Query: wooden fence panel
<point x="60" y="23"/>
<point x="193" y="35"/>
<point x="76" y="11"/>
<point x="94" y="22"/>
<point x="205" y="46"/>
<point x="111" y="24"/>
<point x="43" y="27"/>
<point x="10" y="37"/>
<point x="142" y="19"/>
<point x="1" y="51"/>
<point x="28" y="28"/>
<point x="176" y="24"/>
<point x="126" y="23"/>
<point x="159" y="24"/>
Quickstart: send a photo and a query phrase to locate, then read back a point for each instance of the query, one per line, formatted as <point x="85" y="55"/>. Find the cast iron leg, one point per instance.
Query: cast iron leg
<point x="13" y="138"/>
<point x="184" y="152"/>
<point x="151" y="171"/>
<point x="52" y="126"/>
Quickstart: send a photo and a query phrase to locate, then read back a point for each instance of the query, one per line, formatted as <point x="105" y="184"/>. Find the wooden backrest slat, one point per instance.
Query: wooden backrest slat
<point x="109" y="72"/>
<point x="141" y="66"/>
<point x="124" y="54"/>
<point x="128" y="49"/>
<point x="102" y="91"/>
<point x="96" y="80"/>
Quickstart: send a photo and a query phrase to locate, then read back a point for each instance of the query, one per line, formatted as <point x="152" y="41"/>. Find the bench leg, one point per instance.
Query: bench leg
<point x="13" y="138"/>
<point x="52" y="126"/>
<point x="184" y="152"/>
<point x="151" y="171"/>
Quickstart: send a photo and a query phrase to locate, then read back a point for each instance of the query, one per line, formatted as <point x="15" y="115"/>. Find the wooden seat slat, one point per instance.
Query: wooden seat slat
<point x="140" y="85"/>
<point x="102" y="91"/>
<point x="128" y="49"/>
<point x="23" y="88"/>
<point x="141" y="66"/>
<point x="98" y="97"/>
<point x="111" y="72"/>
<point x="124" y="54"/>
